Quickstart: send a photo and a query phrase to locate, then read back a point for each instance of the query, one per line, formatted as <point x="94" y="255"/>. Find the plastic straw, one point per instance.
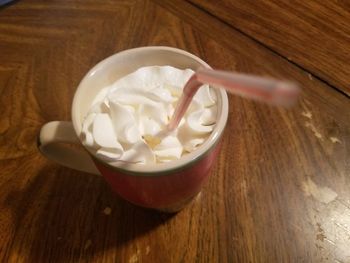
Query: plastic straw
<point x="271" y="91"/>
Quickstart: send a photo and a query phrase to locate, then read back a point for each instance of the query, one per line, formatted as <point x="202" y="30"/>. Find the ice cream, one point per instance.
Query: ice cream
<point x="126" y="118"/>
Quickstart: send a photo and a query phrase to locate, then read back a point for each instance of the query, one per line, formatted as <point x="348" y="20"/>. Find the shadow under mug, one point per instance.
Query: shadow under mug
<point x="167" y="186"/>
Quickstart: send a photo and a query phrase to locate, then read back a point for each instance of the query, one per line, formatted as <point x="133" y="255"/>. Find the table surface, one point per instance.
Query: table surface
<point x="279" y="191"/>
<point x="313" y="35"/>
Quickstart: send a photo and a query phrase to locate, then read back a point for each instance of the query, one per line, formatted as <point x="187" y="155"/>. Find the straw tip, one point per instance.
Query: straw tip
<point x="287" y="93"/>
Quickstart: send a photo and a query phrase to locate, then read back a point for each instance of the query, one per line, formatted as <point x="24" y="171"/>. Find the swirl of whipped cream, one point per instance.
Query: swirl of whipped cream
<point x="125" y="118"/>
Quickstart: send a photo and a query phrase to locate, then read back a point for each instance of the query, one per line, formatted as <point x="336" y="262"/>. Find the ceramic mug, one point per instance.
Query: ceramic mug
<point x="164" y="186"/>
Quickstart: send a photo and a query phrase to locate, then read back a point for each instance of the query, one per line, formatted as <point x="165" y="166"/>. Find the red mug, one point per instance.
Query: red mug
<point x="164" y="186"/>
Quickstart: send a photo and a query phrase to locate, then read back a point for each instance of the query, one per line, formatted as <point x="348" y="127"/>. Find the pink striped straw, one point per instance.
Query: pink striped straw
<point x="271" y="91"/>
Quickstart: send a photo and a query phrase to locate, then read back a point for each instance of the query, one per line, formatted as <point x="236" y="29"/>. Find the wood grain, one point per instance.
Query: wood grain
<point x="267" y="198"/>
<point x="313" y="34"/>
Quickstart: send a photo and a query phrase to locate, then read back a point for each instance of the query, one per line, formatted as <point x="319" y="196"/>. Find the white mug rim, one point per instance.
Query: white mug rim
<point x="159" y="167"/>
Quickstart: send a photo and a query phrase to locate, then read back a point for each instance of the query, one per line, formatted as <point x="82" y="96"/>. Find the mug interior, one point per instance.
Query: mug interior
<point x="116" y="66"/>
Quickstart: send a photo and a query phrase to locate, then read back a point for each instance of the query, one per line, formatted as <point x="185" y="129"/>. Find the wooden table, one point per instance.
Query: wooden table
<point x="280" y="189"/>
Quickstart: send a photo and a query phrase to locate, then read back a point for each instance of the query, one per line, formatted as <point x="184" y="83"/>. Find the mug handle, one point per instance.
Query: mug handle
<point x="58" y="142"/>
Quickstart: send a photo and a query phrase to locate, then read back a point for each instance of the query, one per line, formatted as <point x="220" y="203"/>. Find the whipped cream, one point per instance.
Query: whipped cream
<point x="125" y="118"/>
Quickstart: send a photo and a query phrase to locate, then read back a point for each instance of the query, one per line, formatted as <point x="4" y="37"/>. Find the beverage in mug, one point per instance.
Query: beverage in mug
<point x="126" y="119"/>
<point x="120" y="108"/>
